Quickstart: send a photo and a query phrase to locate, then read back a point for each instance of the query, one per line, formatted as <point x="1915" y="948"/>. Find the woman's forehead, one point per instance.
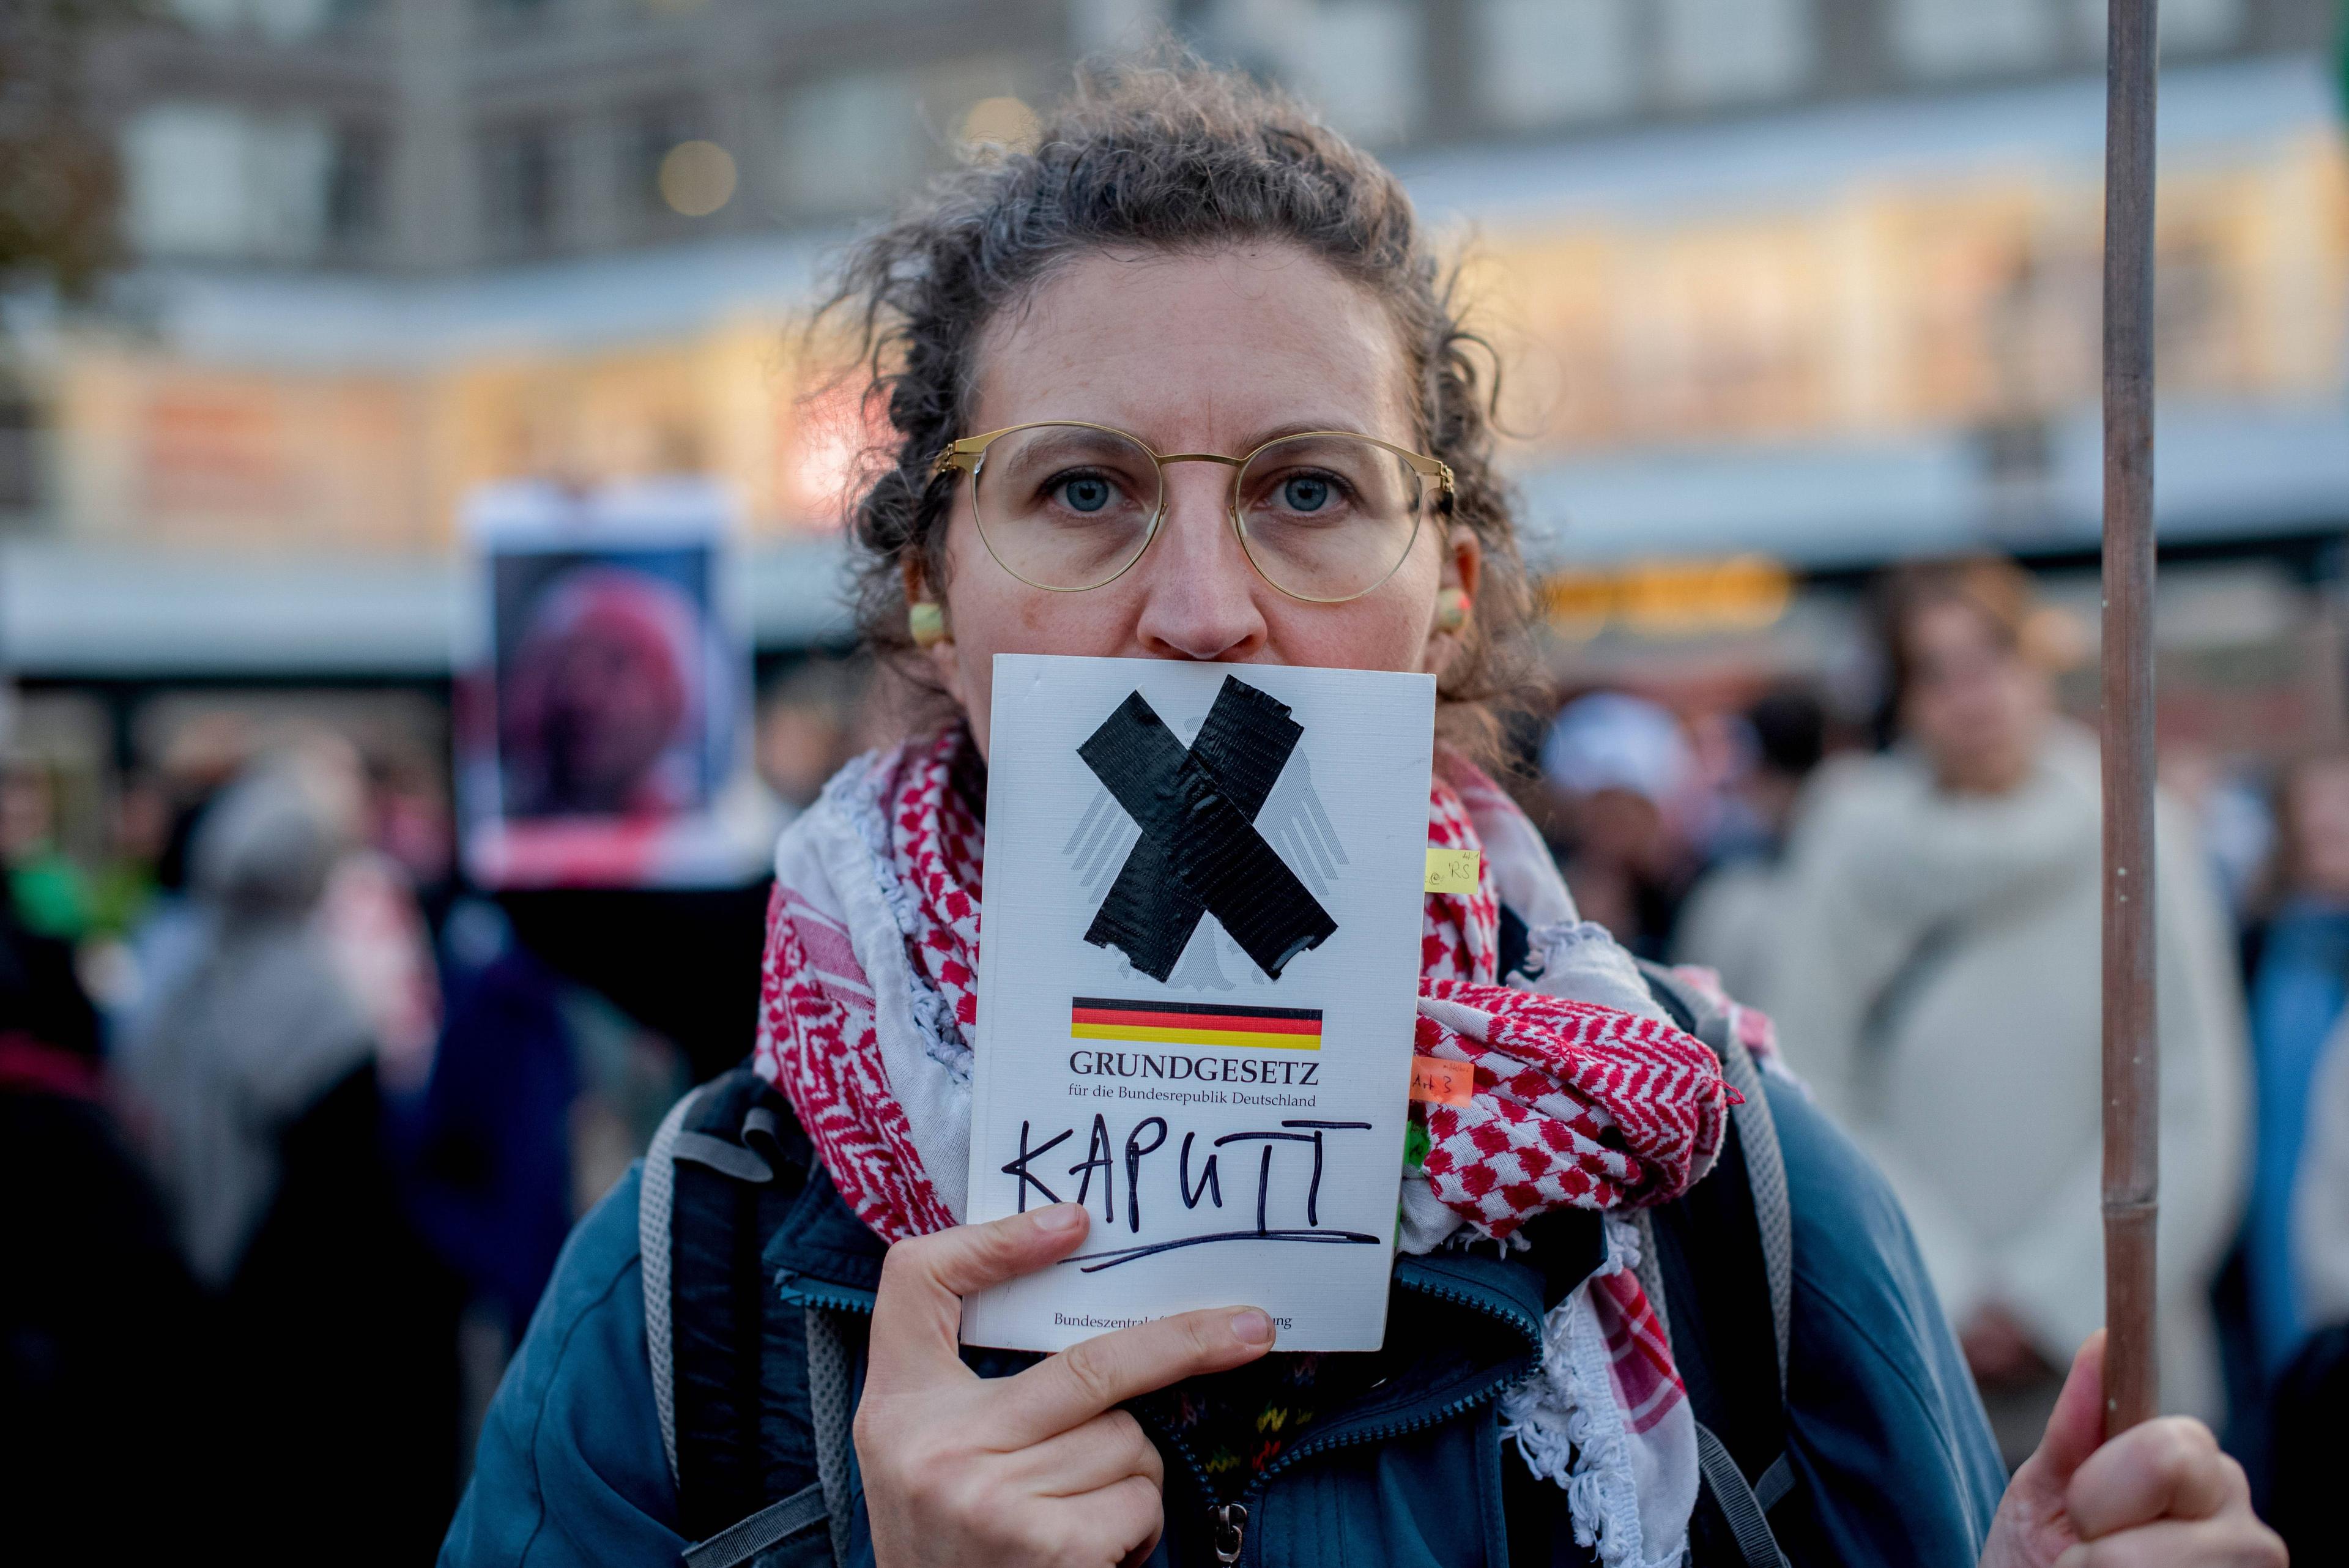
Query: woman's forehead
<point x="1197" y="350"/>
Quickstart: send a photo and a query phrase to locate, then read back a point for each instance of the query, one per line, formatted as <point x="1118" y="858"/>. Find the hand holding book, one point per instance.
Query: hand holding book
<point x="1039" y="1467"/>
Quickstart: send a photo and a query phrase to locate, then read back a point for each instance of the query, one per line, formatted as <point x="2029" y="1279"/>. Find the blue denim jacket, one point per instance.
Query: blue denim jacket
<point x="1893" y="1459"/>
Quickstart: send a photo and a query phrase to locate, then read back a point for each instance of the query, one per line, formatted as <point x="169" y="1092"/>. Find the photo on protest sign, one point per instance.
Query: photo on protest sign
<point x="603" y="736"/>
<point x="1199" y="985"/>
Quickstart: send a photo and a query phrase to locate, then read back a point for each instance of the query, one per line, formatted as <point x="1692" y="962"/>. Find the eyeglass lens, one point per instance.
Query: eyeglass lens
<point x="1066" y="506"/>
<point x="1328" y="516"/>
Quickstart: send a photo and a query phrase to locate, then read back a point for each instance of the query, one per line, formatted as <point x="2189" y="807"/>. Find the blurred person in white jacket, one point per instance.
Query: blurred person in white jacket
<point x="1937" y="977"/>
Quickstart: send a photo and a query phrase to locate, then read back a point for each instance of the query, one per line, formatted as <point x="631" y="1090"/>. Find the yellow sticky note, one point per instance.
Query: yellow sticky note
<point x="1452" y="870"/>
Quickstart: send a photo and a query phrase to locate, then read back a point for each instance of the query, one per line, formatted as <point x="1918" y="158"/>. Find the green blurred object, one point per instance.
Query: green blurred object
<point x="119" y="894"/>
<point x="52" y="899"/>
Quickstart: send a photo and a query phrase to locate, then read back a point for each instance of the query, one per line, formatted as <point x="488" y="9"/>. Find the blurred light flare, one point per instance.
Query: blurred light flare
<point x="830" y="434"/>
<point x="1661" y="598"/>
<point x="696" y="178"/>
<point x="1006" y="124"/>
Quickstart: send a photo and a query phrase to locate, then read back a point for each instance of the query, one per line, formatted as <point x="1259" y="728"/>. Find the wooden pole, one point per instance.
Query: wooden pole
<point x="2132" y="1163"/>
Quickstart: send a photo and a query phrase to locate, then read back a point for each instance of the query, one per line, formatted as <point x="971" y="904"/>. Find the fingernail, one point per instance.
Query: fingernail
<point x="1251" y="1328"/>
<point x="1060" y="1217"/>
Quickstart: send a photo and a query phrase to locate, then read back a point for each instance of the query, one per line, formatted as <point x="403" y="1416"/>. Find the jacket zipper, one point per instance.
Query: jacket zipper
<point x="812" y="1292"/>
<point x="1230" y="1520"/>
<point x="1231" y="1531"/>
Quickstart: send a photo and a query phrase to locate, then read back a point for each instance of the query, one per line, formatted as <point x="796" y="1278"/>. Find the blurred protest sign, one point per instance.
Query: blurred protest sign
<point x="603" y="726"/>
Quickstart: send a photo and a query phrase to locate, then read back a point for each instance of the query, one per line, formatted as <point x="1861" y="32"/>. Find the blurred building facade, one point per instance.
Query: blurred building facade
<point x="1784" y="287"/>
<point x="421" y="136"/>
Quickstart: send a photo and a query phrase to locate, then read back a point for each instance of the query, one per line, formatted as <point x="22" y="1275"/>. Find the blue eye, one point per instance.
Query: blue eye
<point x="1304" y="492"/>
<point x="1088" y="493"/>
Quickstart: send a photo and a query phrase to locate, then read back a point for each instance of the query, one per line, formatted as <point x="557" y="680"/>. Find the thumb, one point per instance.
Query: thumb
<point x="2076" y="1429"/>
<point x="917" y="1312"/>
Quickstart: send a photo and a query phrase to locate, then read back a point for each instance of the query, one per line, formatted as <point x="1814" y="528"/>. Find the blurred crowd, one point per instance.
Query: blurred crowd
<point x="305" y="1122"/>
<point x="1910" y="888"/>
<point x="311" y="1118"/>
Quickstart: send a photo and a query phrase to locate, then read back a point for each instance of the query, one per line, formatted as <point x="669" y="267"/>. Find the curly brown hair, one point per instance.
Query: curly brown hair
<point x="1170" y="155"/>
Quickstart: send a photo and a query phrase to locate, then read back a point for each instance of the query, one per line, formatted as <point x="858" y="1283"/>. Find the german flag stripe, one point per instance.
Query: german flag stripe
<point x="1154" y="1018"/>
<point x="1196" y="1009"/>
<point x="1146" y="1037"/>
<point x="1194" y="1023"/>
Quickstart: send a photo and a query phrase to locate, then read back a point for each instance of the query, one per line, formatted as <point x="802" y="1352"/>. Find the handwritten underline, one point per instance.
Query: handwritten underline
<point x="1128" y="1255"/>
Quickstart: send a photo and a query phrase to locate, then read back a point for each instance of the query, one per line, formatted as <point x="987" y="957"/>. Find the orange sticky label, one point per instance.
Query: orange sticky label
<point x="1439" y="1082"/>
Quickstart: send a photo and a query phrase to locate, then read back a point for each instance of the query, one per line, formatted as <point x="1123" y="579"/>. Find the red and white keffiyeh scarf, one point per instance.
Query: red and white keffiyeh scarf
<point x="1584" y="1095"/>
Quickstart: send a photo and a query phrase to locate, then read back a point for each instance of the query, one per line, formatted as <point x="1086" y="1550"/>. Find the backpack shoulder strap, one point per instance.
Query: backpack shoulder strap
<point x="741" y="1543"/>
<point x="831" y="1411"/>
<point x="736" y="1370"/>
<point x="1744" y="1507"/>
<point x="1765" y="1173"/>
<point x="1758" y="1134"/>
<point x="1735" y="1373"/>
<point x="655" y="1191"/>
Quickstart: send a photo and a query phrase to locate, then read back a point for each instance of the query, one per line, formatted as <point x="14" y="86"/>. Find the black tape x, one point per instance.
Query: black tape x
<point x="1200" y="853"/>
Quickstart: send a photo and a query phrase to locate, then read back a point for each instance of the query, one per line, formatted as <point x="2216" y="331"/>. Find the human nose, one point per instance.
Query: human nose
<point x="1199" y="592"/>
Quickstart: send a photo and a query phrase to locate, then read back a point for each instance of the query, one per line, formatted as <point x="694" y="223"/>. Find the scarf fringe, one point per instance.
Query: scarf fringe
<point x="1570" y="1431"/>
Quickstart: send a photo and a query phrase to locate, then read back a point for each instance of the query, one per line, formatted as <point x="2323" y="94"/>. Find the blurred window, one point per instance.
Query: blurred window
<point x="20" y="476"/>
<point x="1362" y="63"/>
<point x="659" y="131"/>
<point x="1096" y="25"/>
<point x="849" y="142"/>
<point x="279" y="21"/>
<point x="2188" y="27"/>
<point x="354" y="187"/>
<point x="1728" y="51"/>
<point x="1942" y="38"/>
<point x="1542" y="62"/>
<point x="519" y="187"/>
<point x="214" y="182"/>
<point x="1365" y="63"/>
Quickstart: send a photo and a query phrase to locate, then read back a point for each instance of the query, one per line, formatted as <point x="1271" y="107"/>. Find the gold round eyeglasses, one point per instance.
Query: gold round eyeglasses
<point x="1324" y="516"/>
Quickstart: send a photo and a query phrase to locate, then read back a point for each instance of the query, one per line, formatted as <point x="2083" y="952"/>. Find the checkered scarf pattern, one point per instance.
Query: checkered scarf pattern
<point x="1575" y="1105"/>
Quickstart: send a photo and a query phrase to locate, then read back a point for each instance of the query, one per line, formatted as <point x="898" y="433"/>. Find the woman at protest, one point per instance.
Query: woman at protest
<point x="1185" y="275"/>
<point x="1937" y="980"/>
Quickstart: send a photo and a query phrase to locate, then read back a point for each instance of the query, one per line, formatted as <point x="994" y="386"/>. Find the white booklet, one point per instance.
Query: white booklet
<point x="1198" y="977"/>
